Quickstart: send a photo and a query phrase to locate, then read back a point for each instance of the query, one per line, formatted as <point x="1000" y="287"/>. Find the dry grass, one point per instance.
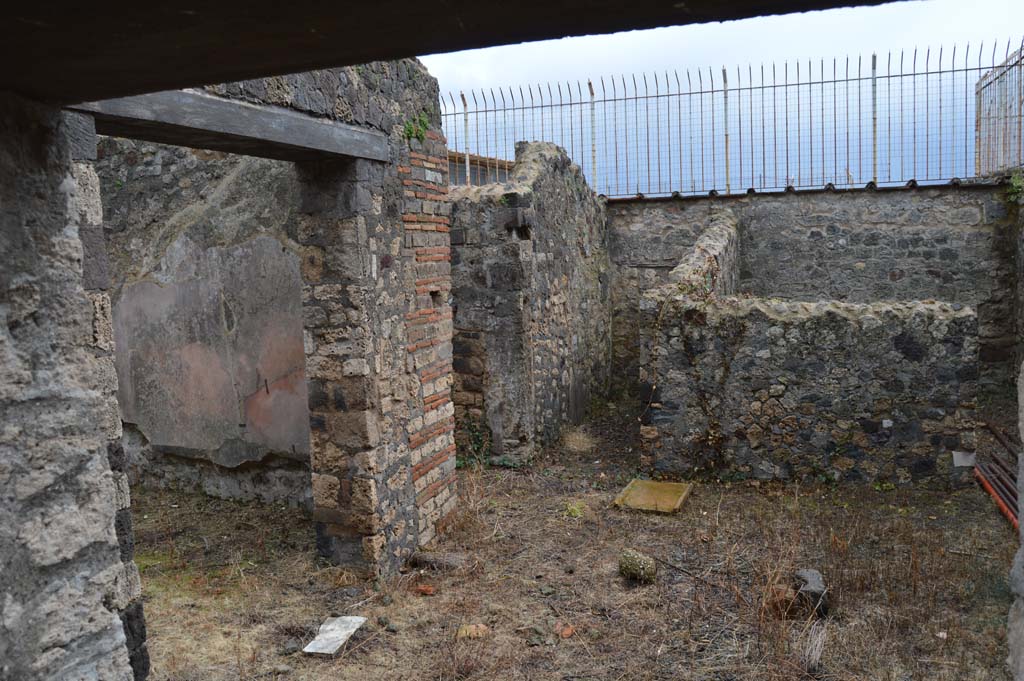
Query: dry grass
<point x="578" y="441"/>
<point x="917" y="584"/>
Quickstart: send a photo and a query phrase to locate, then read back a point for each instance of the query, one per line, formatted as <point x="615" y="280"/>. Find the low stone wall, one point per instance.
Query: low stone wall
<point x="774" y="389"/>
<point x="953" y="244"/>
<point x="532" y="314"/>
<point x="778" y="389"/>
<point x="711" y="267"/>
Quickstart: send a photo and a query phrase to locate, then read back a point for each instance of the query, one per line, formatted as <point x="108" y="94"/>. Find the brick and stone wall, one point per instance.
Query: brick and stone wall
<point x="373" y="249"/>
<point x="532" y="314"/>
<point x="70" y="606"/>
<point x="312" y="300"/>
<point x="768" y="388"/>
<point x="952" y="244"/>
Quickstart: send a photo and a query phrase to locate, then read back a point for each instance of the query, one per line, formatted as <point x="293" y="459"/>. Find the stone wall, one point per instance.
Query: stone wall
<point x="742" y="386"/>
<point x="841" y="391"/>
<point x="295" y="318"/>
<point x="69" y="608"/>
<point x="372" y="241"/>
<point x="952" y="244"/>
<point x="647" y="240"/>
<point x="1015" y="628"/>
<point x="532" y="315"/>
<point x="711" y="267"/>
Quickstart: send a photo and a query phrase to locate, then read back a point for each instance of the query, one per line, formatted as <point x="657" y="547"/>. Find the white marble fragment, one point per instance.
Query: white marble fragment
<point x="333" y="634"/>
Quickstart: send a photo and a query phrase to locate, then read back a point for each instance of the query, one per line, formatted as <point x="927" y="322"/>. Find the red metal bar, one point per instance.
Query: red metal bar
<point x="1005" y="486"/>
<point x="1010" y="515"/>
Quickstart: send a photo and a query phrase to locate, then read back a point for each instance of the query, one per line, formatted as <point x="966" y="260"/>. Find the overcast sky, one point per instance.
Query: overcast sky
<point x="812" y="35"/>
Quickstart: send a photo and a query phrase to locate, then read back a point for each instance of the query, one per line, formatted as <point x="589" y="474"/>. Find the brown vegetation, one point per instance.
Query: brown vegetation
<point x="917" y="585"/>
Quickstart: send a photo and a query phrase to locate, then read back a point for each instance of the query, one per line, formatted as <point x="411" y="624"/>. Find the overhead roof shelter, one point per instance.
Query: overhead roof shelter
<point x="68" y="53"/>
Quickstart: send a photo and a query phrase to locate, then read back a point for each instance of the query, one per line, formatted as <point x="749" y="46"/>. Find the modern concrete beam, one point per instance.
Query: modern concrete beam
<point x="192" y="119"/>
<point x="68" y="52"/>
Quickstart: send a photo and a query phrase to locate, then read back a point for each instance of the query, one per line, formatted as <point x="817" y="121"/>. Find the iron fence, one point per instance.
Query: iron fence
<point x="999" y="113"/>
<point x="927" y="115"/>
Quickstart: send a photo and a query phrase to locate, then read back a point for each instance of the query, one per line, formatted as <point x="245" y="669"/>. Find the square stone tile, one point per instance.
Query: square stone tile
<point x="653" y="495"/>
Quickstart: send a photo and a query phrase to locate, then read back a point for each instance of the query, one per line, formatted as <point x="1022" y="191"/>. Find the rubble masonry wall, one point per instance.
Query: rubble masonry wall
<point x="768" y="388"/>
<point x="532" y="316"/>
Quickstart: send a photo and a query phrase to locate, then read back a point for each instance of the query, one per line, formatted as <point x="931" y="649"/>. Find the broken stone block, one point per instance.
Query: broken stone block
<point x="637" y="567"/>
<point x="333" y="634"/>
<point x="812" y="592"/>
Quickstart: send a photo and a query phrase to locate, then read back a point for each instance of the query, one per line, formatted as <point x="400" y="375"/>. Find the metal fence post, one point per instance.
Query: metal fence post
<point x="874" y="118"/>
<point x="593" y="136"/>
<point x="1020" y="103"/>
<point x="465" y="129"/>
<point x="725" y="120"/>
<point x="977" y="120"/>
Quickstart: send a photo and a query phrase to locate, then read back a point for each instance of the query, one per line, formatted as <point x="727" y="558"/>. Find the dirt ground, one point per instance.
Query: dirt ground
<point x="917" y="583"/>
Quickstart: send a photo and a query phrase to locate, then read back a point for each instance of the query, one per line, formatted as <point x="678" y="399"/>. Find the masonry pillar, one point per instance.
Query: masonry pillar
<point x="377" y="279"/>
<point x="96" y="282"/>
<point x="426" y="211"/>
<point x="344" y="401"/>
<point x="63" y="582"/>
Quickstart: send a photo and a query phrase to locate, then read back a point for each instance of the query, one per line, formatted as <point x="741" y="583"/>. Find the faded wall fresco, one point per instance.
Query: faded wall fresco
<point x="213" y="362"/>
<point x="207" y="320"/>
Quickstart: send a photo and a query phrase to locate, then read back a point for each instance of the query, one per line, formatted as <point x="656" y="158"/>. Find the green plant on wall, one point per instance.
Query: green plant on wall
<point x="416" y="127"/>
<point x="1015" y="190"/>
<point x="478" y="444"/>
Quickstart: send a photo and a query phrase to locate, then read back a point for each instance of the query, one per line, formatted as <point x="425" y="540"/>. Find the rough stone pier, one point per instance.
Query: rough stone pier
<point x="532" y="321"/>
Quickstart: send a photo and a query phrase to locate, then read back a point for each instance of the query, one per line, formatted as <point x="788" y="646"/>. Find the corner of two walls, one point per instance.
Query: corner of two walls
<point x="206" y="289"/>
<point x="647" y="240"/>
<point x="532" y="321"/>
<point x="860" y="266"/>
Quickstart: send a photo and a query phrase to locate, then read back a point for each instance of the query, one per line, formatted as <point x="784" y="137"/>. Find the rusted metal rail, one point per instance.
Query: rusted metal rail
<point x="999" y="476"/>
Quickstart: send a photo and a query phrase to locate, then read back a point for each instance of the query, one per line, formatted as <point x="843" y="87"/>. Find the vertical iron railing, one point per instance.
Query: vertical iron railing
<point x="999" y="103"/>
<point x="928" y="115"/>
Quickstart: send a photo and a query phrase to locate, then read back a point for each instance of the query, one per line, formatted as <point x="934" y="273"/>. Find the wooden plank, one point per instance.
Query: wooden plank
<point x="202" y="121"/>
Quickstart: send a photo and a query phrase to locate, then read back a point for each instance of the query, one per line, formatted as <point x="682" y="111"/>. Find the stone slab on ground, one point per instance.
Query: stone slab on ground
<point x="652" y="495"/>
<point x="333" y="634"/>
